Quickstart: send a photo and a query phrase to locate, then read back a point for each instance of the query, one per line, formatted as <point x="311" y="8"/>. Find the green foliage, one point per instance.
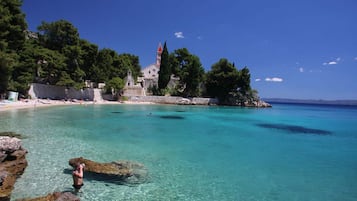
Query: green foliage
<point x="51" y="66"/>
<point x="88" y="55"/>
<point x="104" y="63"/>
<point x="132" y="62"/>
<point x="65" y="80"/>
<point x="12" y="38"/>
<point x="12" y="25"/>
<point x="7" y="61"/>
<point x="222" y="79"/>
<point x="189" y="69"/>
<point x="244" y="81"/>
<point x="124" y="98"/>
<point x="59" y="34"/>
<point x="165" y="69"/>
<point x="116" y="83"/>
<point x="156" y="91"/>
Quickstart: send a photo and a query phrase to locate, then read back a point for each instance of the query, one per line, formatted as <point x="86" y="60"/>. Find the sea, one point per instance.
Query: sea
<point x="290" y="152"/>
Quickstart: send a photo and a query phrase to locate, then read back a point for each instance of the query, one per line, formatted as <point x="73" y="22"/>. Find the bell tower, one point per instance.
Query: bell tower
<point x="158" y="55"/>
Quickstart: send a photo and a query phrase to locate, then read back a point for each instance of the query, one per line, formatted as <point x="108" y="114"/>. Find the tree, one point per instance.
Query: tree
<point x="12" y="25"/>
<point x="74" y="62"/>
<point x="50" y="65"/>
<point x="124" y="62"/>
<point x="65" y="80"/>
<point x="88" y="55"/>
<point x="193" y="76"/>
<point x="7" y="61"/>
<point x="222" y="79"/>
<point x="244" y="81"/>
<point x="189" y="69"/>
<point x="117" y="84"/>
<point x="103" y="66"/>
<point x="24" y="71"/>
<point x="58" y="34"/>
<point x="165" y="69"/>
<point x="12" y="38"/>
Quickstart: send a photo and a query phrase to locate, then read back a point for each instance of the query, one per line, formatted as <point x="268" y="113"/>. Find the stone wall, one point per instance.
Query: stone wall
<point x="174" y="100"/>
<point x="44" y="91"/>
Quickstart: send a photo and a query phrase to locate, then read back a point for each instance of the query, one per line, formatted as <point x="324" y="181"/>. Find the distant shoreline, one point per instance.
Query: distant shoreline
<point x="314" y="102"/>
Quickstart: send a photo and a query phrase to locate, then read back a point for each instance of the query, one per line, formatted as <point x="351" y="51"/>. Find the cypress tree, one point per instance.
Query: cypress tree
<point x="165" y="69"/>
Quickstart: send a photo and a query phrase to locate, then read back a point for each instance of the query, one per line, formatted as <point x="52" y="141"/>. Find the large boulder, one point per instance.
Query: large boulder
<point x="56" y="196"/>
<point x="12" y="164"/>
<point x="122" y="172"/>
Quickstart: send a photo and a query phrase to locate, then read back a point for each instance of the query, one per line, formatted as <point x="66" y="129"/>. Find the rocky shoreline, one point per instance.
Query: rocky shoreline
<point x="12" y="164"/>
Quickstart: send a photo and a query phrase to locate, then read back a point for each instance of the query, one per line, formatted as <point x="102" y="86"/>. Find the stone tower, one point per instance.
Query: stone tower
<point x="158" y="55"/>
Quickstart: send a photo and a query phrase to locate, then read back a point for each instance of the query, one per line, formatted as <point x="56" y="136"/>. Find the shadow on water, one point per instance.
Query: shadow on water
<point x="171" y="117"/>
<point x="116" y="112"/>
<point x="114" y="179"/>
<point x="295" y="129"/>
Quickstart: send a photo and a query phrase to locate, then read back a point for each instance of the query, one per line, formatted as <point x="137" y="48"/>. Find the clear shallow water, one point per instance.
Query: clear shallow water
<point x="194" y="152"/>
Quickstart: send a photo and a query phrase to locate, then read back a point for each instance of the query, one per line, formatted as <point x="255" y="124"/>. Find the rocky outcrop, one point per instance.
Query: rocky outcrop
<point x="236" y="99"/>
<point x="12" y="164"/>
<point x="56" y="196"/>
<point x="121" y="172"/>
<point x="258" y="103"/>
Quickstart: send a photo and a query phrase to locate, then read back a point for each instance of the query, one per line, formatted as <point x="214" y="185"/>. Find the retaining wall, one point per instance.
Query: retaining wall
<point x="174" y="100"/>
<point x="44" y="91"/>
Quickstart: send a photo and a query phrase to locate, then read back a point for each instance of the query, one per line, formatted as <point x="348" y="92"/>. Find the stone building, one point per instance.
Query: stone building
<point x="151" y="72"/>
<point x="132" y="88"/>
<point x="149" y="78"/>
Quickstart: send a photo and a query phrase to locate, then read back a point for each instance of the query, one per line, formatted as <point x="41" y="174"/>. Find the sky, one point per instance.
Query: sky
<point x="301" y="49"/>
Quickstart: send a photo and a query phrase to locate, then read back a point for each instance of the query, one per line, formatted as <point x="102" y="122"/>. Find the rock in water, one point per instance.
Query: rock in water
<point x="9" y="144"/>
<point x="12" y="164"/>
<point x="56" y="196"/>
<point x="123" y="172"/>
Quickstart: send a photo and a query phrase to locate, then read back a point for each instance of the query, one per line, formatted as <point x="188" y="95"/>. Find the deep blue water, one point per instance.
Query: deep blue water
<point x="288" y="152"/>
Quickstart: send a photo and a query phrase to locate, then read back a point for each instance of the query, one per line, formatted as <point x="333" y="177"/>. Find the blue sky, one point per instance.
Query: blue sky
<point x="303" y="49"/>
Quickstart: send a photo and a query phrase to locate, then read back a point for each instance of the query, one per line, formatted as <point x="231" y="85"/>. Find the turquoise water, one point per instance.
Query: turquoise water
<point x="288" y="152"/>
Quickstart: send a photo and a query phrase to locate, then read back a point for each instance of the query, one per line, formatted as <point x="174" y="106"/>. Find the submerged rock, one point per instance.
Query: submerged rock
<point x="56" y="196"/>
<point x="11" y="134"/>
<point x="295" y="129"/>
<point x="121" y="172"/>
<point x="12" y="164"/>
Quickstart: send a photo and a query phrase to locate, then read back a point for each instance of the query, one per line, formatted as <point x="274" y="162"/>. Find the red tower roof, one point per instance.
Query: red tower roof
<point x="159" y="49"/>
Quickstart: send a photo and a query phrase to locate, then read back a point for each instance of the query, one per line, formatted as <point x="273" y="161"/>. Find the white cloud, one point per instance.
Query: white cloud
<point x="257" y="80"/>
<point x="301" y="69"/>
<point x="333" y="62"/>
<point x="179" y="34"/>
<point x="274" y="79"/>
